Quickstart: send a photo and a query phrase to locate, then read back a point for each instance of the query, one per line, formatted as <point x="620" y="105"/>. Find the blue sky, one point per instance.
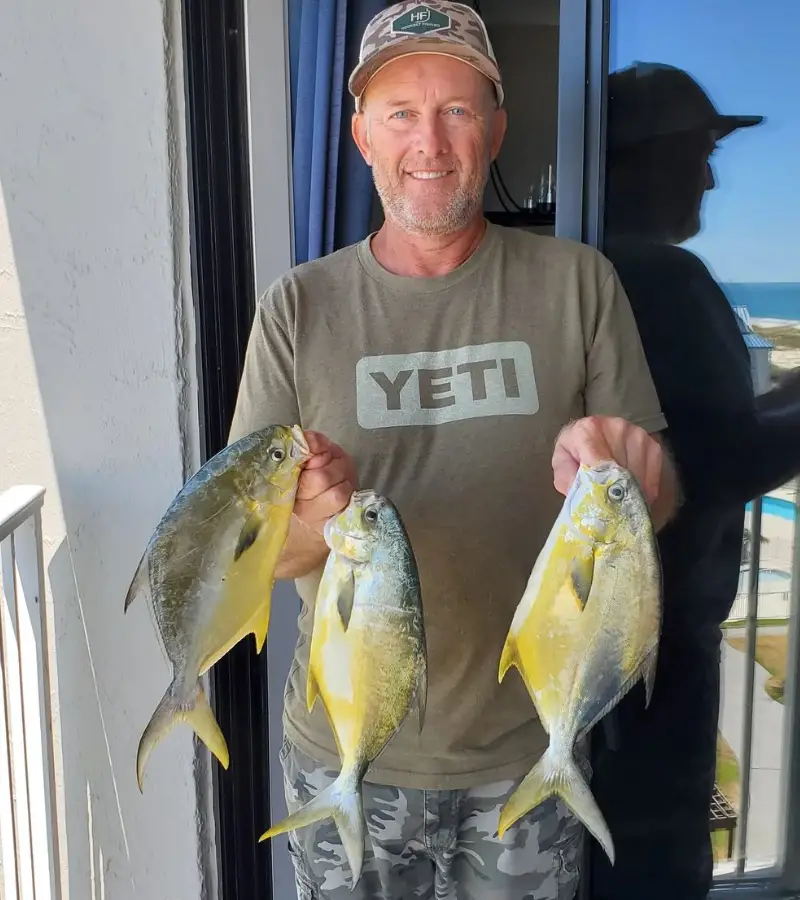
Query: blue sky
<point x="745" y="54"/>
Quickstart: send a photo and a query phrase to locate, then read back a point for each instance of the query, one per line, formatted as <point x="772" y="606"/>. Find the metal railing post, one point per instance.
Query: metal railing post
<point x="751" y="629"/>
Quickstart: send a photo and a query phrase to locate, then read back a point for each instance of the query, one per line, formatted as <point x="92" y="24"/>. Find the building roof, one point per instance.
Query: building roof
<point x="751" y="339"/>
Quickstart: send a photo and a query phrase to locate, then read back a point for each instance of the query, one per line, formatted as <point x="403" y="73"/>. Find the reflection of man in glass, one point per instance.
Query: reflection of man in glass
<point x="655" y="784"/>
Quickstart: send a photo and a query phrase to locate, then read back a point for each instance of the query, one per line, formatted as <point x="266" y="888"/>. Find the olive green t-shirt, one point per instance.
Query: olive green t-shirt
<point x="449" y="393"/>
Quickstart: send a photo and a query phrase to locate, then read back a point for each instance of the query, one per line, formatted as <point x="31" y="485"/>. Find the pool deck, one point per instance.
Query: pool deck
<point x="765" y="783"/>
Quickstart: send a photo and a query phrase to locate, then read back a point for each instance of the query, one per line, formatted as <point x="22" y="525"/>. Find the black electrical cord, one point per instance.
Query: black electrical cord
<point x="496" y="187"/>
<point x="494" y="169"/>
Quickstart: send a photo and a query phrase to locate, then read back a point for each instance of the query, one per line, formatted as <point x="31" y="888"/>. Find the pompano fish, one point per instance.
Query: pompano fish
<point x="210" y="567"/>
<point x="368" y="660"/>
<point x="585" y="631"/>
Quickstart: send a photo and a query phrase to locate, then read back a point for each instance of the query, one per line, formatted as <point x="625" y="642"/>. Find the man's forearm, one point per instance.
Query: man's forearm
<point x="305" y="550"/>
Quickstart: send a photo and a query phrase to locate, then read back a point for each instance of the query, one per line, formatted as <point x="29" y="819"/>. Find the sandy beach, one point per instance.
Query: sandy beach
<point x="775" y="323"/>
<point x="785" y="335"/>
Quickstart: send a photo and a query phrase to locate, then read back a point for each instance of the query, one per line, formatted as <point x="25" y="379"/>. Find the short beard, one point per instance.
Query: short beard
<point x="463" y="204"/>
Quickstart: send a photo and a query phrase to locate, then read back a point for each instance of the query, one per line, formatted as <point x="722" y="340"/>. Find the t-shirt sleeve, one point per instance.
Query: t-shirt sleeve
<point x="618" y="380"/>
<point x="267" y="394"/>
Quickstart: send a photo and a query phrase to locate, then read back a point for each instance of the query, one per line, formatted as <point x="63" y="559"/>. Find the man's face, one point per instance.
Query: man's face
<point x="656" y="188"/>
<point x="684" y="175"/>
<point x="429" y="129"/>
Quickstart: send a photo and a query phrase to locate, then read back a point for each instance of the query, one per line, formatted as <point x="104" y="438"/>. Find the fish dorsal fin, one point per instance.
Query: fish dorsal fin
<point x="249" y="534"/>
<point x="645" y="671"/>
<point x="581" y="574"/>
<point x="422" y="695"/>
<point x="649" y="674"/>
<point x="312" y="689"/>
<point x="139" y="580"/>
<point x="508" y="658"/>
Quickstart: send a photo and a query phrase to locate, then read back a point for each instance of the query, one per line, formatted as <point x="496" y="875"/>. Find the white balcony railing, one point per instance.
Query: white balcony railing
<point x="29" y="861"/>
<point x="763" y="730"/>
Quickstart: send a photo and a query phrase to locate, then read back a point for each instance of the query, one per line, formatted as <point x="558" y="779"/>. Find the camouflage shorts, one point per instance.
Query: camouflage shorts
<point x="433" y="844"/>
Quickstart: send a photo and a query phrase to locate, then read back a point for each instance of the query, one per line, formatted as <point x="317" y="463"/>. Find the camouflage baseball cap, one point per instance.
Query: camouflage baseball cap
<point x="440" y="26"/>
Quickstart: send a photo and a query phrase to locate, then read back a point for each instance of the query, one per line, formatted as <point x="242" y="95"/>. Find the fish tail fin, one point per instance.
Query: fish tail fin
<point x="560" y="776"/>
<point x="176" y="707"/>
<point x="342" y="802"/>
<point x="508" y="658"/>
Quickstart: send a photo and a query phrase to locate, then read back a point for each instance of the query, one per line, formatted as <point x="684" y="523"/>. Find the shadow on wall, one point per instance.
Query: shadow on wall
<point x="93" y="362"/>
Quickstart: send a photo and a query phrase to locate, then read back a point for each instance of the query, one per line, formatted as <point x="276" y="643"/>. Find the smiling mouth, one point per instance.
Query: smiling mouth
<point x="429" y="175"/>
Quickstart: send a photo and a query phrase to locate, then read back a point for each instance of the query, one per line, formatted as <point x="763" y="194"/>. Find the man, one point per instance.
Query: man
<point x="465" y="370"/>
<point x="730" y="446"/>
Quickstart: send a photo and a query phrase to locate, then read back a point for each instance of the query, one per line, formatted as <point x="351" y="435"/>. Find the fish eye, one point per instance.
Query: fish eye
<point x="616" y="492"/>
<point x="371" y="514"/>
<point x="278" y="454"/>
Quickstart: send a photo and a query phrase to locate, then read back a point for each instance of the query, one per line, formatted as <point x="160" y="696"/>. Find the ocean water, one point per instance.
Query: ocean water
<point x="771" y="300"/>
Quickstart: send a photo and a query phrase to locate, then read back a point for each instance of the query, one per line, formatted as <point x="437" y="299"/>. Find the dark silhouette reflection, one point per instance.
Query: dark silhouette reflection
<point x="654" y="769"/>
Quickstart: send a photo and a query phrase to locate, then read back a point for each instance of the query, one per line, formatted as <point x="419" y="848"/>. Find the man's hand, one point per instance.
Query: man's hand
<point x="595" y="438"/>
<point x="326" y="482"/>
<point x="324" y="488"/>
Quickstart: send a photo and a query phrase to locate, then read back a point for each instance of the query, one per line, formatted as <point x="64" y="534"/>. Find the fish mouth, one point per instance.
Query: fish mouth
<point x="364" y="497"/>
<point x="300" y="451"/>
<point x="600" y="472"/>
<point x="581" y="482"/>
<point x="587" y="479"/>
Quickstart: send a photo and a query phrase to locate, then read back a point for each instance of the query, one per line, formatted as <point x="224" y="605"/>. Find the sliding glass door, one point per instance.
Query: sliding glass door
<point x="691" y="185"/>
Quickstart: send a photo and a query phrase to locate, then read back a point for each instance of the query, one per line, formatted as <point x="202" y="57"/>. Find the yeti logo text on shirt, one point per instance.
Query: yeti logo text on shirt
<point x="446" y="386"/>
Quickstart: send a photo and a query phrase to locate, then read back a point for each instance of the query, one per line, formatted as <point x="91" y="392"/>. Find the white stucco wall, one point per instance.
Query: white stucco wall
<point x="98" y="399"/>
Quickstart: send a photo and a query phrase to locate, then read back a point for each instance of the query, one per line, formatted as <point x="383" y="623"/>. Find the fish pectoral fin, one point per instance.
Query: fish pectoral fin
<point x="508" y="658"/>
<point x="581" y="576"/>
<point x="249" y="534"/>
<point x="345" y="599"/>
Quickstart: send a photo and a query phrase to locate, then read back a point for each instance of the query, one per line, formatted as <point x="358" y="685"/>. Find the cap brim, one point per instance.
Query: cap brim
<point x="624" y="133"/>
<point x="729" y="124"/>
<point x="363" y="73"/>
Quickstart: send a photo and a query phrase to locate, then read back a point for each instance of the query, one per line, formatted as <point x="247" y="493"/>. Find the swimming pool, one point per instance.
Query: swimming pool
<point x="770" y="581"/>
<point x="777" y="506"/>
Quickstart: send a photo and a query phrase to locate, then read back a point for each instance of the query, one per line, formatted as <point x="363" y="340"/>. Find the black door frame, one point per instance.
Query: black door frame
<point x="215" y="46"/>
<point x="224" y="287"/>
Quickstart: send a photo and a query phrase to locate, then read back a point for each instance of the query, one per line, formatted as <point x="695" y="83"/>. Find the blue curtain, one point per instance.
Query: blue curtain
<point x="332" y="185"/>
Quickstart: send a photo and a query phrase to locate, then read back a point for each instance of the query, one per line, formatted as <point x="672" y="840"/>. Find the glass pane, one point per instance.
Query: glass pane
<point x="702" y="221"/>
<point x="521" y="190"/>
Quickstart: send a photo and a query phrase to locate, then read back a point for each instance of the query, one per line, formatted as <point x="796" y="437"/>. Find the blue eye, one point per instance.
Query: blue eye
<point x="400" y="112"/>
<point x="459" y="110"/>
